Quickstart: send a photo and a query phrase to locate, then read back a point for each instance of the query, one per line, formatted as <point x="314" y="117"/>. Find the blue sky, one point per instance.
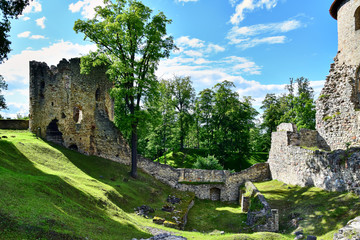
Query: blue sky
<point x="257" y="44"/>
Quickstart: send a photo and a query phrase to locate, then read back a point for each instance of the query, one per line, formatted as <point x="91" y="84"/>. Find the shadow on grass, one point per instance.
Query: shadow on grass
<point x="36" y="205"/>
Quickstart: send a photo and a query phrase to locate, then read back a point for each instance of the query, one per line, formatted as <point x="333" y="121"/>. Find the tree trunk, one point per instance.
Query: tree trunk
<point x="133" y="172"/>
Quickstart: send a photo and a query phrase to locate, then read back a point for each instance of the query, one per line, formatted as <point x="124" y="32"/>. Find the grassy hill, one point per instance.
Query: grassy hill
<point x="49" y="192"/>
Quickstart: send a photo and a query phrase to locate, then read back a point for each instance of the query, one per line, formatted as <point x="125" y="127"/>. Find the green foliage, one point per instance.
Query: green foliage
<point x="323" y="96"/>
<point x="209" y="162"/>
<point x="255" y="204"/>
<point x="130" y="44"/>
<point x="297" y="106"/>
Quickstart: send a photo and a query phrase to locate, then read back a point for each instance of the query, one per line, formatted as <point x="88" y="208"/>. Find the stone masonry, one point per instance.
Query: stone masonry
<point x="76" y="111"/>
<point x="296" y="164"/>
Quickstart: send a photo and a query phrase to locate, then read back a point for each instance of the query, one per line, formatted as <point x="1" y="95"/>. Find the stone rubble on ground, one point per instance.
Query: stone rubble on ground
<point x="350" y="232"/>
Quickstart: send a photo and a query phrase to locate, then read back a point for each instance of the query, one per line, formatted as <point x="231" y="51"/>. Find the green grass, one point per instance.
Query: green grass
<point x="49" y="192"/>
<point x="323" y="212"/>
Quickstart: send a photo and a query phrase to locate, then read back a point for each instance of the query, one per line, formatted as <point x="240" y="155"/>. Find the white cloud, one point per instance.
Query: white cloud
<point x="192" y="53"/>
<point x="249" y="6"/>
<point x="214" y="48"/>
<point x="249" y="43"/>
<point x="37" y="37"/>
<point x="86" y="7"/>
<point x="25" y="18"/>
<point x="25" y="34"/>
<point x="34" y="6"/>
<point x="41" y="22"/>
<point x="272" y="28"/>
<point x="186" y="41"/>
<point x="187" y="0"/>
<point x="244" y="37"/>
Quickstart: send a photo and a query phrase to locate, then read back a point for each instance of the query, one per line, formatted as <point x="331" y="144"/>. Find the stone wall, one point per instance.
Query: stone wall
<point x="76" y="111"/>
<point x="338" y="107"/>
<point x="264" y="219"/>
<point x="206" y="184"/>
<point x="14" y="124"/>
<point x="348" y="37"/>
<point x="338" y="170"/>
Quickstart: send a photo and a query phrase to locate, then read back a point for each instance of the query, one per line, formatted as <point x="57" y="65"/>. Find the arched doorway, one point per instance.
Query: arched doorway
<point x="215" y="194"/>
<point x="52" y="132"/>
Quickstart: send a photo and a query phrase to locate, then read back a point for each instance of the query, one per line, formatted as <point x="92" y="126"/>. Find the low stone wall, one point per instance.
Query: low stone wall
<point x="14" y="124"/>
<point x="260" y="220"/>
<point x="338" y="170"/>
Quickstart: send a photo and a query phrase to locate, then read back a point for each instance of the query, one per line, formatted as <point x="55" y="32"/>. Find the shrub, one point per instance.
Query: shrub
<point x="209" y="163"/>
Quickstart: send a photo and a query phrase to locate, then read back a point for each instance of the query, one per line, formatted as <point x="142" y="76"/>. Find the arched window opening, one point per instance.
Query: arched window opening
<point x="215" y="194"/>
<point x="73" y="147"/>
<point x="53" y="133"/>
<point x="97" y="95"/>
<point x="77" y="116"/>
<point x="357" y="19"/>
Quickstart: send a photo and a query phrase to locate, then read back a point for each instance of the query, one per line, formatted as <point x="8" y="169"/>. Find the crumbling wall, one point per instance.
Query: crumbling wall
<point x="263" y="219"/>
<point x="338" y="170"/>
<point x="338" y="107"/>
<point x="75" y="110"/>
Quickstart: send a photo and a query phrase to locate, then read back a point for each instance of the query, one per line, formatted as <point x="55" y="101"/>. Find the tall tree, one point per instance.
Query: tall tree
<point x="130" y="43"/>
<point x="183" y="95"/>
<point x="204" y="109"/>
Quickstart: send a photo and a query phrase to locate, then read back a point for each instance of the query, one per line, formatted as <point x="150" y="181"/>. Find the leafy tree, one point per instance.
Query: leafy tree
<point x="130" y="43"/>
<point x="209" y="163"/>
<point x="297" y="106"/>
<point x="183" y="95"/>
<point x="159" y="133"/>
<point x="204" y="110"/>
<point x="232" y="120"/>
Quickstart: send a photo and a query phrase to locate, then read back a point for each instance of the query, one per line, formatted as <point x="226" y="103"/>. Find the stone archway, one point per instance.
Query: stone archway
<point x="215" y="194"/>
<point x="53" y="133"/>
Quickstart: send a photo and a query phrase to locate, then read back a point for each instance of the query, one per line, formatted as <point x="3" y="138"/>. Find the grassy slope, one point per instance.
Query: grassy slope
<point x="323" y="212"/>
<point x="49" y="192"/>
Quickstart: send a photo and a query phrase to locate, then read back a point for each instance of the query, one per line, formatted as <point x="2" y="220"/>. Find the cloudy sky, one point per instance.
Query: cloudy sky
<point x="257" y="44"/>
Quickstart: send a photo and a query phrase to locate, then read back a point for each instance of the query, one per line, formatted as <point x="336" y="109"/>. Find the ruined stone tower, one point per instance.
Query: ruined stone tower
<point x="338" y="107"/>
<point x="75" y="110"/>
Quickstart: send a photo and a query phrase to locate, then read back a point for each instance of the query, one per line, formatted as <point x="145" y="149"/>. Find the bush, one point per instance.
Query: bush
<point x="209" y="163"/>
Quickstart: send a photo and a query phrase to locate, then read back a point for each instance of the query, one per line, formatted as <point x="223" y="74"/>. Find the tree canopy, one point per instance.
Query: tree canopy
<point x="131" y="41"/>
